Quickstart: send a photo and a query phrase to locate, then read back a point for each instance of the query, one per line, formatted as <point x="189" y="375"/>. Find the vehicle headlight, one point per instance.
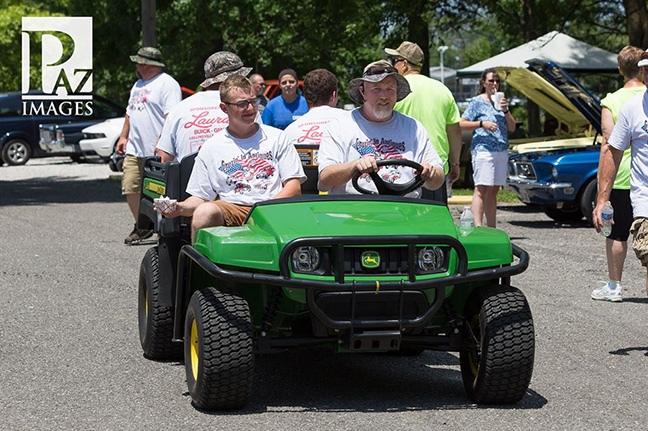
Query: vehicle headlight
<point x="93" y="136"/>
<point x="305" y="259"/>
<point x="431" y="259"/>
<point x="554" y="172"/>
<point x="59" y="135"/>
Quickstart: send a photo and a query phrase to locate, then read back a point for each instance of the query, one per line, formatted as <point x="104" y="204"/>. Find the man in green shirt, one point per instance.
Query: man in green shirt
<point x="433" y="105"/>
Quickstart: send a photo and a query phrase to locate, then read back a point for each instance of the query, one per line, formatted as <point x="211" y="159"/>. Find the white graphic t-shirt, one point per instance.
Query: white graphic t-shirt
<point x="401" y="137"/>
<point x="631" y="131"/>
<point x="244" y="171"/>
<point x="192" y="122"/>
<point x="149" y="102"/>
<point x="310" y="128"/>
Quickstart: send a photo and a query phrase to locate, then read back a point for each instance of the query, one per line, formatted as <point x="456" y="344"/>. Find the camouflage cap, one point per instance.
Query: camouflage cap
<point x="221" y="65"/>
<point x="148" y="55"/>
<point x="409" y="51"/>
<point x="376" y="72"/>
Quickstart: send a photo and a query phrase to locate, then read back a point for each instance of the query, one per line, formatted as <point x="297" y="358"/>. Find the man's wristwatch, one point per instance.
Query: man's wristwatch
<point x="481" y="123"/>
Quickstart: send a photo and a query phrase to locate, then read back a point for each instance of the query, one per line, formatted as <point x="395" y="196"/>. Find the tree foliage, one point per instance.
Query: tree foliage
<point x="340" y="35"/>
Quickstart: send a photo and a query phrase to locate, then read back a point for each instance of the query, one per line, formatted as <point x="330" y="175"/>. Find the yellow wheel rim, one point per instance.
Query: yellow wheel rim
<point x="146" y="304"/>
<point x="194" y="350"/>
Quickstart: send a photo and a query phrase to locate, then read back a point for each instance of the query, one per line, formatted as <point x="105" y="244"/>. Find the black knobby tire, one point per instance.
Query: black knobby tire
<point x="588" y="199"/>
<point x="570" y="211"/>
<point x="16" y="152"/>
<point x="218" y="348"/>
<point x="155" y="321"/>
<point x="499" y="370"/>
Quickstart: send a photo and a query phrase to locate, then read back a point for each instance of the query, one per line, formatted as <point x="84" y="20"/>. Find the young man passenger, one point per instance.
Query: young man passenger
<point x="243" y="164"/>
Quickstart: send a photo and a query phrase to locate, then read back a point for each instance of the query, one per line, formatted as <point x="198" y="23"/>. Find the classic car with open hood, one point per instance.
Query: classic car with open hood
<point x="559" y="174"/>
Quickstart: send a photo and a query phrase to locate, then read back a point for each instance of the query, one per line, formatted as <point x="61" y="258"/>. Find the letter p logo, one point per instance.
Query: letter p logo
<point x="66" y="55"/>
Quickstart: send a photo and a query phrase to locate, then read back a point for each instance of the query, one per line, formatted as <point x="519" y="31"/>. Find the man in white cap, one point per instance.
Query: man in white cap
<point x="151" y="99"/>
<point x="432" y="103"/>
<point x="630" y="131"/>
<point x="377" y="132"/>
<point x="197" y="118"/>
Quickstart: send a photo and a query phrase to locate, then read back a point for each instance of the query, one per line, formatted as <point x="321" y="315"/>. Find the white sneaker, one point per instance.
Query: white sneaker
<point x="606" y="294"/>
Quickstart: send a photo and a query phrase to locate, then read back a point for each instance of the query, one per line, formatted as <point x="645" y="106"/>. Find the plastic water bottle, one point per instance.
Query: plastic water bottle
<point x="449" y="187"/>
<point x="607" y="213"/>
<point x="466" y="221"/>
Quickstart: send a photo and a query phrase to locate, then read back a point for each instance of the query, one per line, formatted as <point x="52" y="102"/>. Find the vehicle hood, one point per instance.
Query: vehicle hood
<point x="557" y="92"/>
<point x="273" y="224"/>
<point x="548" y="146"/>
<point x="70" y="126"/>
<point x="559" y="155"/>
<point x="113" y="123"/>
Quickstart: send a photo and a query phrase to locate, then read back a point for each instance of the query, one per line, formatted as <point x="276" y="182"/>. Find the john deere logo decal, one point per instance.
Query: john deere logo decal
<point x="370" y="259"/>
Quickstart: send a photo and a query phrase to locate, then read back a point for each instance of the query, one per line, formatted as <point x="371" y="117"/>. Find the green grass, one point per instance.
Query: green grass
<point x="502" y="196"/>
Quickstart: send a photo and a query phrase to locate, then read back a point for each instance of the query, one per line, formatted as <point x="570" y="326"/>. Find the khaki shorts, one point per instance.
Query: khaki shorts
<point x="234" y="214"/>
<point x="639" y="231"/>
<point x="132" y="178"/>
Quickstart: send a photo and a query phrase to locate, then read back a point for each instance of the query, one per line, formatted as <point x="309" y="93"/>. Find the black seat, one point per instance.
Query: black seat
<point x="168" y="179"/>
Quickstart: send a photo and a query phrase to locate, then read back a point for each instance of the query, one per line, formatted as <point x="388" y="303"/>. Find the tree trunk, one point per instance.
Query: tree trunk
<point x="419" y="33"/>
<point x="530" y="33"/>
<point x="148" y="23"/>
<point x="637" y="22"/>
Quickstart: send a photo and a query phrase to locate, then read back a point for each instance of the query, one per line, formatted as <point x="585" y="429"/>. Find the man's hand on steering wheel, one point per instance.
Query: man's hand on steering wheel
<point x="428" y="171"/>
<point x="366" y="164"/>
<point x="370" y="166"/>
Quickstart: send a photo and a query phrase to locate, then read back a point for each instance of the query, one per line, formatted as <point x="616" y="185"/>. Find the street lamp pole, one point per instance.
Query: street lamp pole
<point x="442" y="49"/>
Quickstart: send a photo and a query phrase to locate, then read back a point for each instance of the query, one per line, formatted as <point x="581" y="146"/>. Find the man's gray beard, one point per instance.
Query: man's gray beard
<point x="382" y="113"/>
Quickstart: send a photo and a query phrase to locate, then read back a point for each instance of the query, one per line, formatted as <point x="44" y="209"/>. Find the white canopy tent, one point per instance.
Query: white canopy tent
<point x="569" y="53"/>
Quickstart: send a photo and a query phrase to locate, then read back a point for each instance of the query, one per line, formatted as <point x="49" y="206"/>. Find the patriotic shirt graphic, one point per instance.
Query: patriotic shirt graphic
<point x="249" y="172"/>
<point x="139" y="99"/>
<point x="383" y="149"/>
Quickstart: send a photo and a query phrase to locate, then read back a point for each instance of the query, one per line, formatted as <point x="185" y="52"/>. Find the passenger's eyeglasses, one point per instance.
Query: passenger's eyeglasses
<point x="244" y="103"/>
<point x="395" y="60"/>
<point x="494" y="81"/>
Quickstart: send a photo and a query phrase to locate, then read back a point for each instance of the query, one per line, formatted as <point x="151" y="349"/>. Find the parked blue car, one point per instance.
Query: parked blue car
<point x="562" y="179"/>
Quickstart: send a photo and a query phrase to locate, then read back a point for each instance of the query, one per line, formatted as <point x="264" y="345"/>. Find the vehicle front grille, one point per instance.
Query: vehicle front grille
<point x="393" y="261"/>
<point x="522" y="170"/>
<point x="46" y="135"/>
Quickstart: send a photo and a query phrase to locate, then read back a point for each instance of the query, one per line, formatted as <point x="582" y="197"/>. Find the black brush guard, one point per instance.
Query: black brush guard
<point x="284" y="279"/>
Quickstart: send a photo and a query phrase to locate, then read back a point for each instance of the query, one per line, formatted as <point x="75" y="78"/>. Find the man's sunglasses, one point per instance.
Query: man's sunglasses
<point x="244" y="103"/>
<point x="379" y="70"/>
<point x="394" y="60"/>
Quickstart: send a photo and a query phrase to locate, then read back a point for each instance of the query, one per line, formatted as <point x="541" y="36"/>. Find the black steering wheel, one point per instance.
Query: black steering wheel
<point x="385" y="188"/>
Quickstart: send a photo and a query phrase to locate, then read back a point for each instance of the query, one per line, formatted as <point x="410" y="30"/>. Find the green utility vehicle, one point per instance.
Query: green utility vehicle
<point x="357" y="273"/>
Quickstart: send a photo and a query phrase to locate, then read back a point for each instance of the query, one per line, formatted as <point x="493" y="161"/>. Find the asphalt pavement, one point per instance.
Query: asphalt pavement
<point x="70" y="357"/>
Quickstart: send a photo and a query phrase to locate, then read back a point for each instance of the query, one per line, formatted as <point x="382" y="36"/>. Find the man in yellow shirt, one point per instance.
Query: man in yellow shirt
<point x="432" y="103"/>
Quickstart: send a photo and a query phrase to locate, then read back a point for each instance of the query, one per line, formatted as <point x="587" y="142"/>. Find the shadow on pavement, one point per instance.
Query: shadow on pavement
<point x="636" y="300"/>
<point x="320" y="380"/>
<point x="519" y="208"/>
<point x="626" y="351"/>
<point x="57" y="190"/>
<point x="550" y="224"/>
